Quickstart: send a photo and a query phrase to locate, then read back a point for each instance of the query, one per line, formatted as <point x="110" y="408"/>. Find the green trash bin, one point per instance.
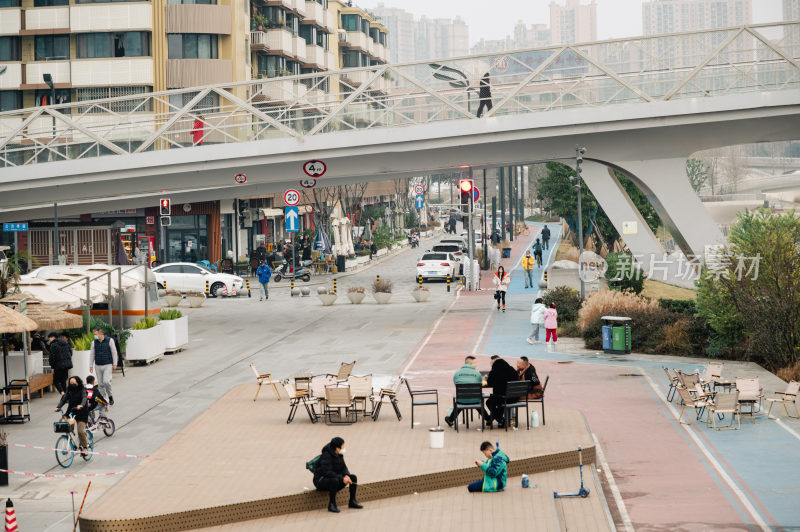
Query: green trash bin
<point x="620" y="334"/>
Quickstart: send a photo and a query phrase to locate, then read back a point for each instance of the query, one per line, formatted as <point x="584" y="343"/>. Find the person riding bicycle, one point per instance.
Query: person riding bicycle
<point x="77" y="409"/>
<point x="537" y="252"/>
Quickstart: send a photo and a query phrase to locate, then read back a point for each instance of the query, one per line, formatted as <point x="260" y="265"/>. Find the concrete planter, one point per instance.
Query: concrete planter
<point x="196" y="301"/>
<point x="327" y="299"/>
<point x="349" y="264"/>
<point x="176" y="333"/>
<point x="356" y="297"/>
<point x="80" y="364"/>
<point x="420" y="295"/>
<point x="381" y="252"/>
<point x="145" y="345"/>
<point x="172" y="300"/>
<point x="362" y="260"/>
<point x="382" y="297"/>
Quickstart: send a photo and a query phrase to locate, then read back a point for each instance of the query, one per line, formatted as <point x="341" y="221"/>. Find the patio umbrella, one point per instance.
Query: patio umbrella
<point x="46" y="317"/>
<point x="12" y="321"/>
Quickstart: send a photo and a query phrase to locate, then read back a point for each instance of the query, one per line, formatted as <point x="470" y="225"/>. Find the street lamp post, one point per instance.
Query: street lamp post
<point x="579" y="151"/>
<point x="48" y="79"/>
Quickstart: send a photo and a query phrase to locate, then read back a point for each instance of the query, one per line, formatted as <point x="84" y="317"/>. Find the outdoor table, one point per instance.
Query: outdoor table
<point x="725" y="384"/>
<point x="750" y="402"/>
<point x="302" y="381"/>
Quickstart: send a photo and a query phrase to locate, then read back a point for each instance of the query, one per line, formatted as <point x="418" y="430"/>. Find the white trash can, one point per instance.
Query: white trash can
<point x="437" y="437"/>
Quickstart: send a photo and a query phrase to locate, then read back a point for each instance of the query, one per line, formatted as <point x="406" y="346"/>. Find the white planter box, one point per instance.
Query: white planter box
<point x="327" y="299"/>
<point x="420" y="295"/>
<point x="382" y="297"/>
<point x="176" y="333"/>
<point x="381" y="252"/>
<point x="172" y="300"/>
<point x="16" y="370"/>
<point x="145" y="345"/>
<point x="196" y="301"/>
<point x="80" y="364"/>
<point x="356" y="297"/>
<point x="350" y="264"/>
<point x="362" y="260"/>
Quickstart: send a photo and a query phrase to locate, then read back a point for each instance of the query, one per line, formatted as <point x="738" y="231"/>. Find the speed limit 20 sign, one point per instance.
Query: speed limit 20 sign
<point x="291" y="197"/>
<point x="314" y="168"/>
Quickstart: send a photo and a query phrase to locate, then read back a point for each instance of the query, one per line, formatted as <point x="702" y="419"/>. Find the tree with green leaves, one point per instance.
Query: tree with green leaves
<point x="10" y="271"/>
<point x="697" y="172"/>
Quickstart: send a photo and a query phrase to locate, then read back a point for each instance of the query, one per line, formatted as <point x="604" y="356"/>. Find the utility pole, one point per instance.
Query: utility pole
<point x="55" y="233"/>
<point x="484" y="242"/>
<point x="502" y="204"/>
<point x="579" y="151"/>
<point x="510" y="186"/>
<point x="471" y="231"/>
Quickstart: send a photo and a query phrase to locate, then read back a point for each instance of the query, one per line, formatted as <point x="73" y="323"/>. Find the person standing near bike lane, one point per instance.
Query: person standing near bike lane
<point x="264" y="273"/>
<point x="77" y="406"/>
<point x="103" y="356"/>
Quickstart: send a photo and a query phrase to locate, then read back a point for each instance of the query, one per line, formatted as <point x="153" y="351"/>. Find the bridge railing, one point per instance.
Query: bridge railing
<point x="754" y="58"/>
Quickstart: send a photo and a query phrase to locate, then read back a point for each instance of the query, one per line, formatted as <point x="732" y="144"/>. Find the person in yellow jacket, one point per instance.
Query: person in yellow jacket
<point x="527" y="265"/>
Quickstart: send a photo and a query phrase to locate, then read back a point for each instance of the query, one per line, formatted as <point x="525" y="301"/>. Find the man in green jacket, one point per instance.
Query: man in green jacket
<point x="466" y="374"/>
<point x="495" y="470"/>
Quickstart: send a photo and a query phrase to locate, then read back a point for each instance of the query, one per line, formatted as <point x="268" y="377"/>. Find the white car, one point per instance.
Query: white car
<point x="458" y="251"/>
<point x="434" y="265"/>
<point x="190" y="277"/>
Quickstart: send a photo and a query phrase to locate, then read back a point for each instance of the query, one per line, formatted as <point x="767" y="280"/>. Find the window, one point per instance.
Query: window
<point x="322" y="39"/>
<point x="375" y="34"/>
<point x="125" y="44"/>
<point x="276" y="16"/>
<point x="124" y="106"/>
<point x="43" y="96"/>
<point x="293" y="23"/>
<point x="209" y="104"/>
<point x="51" y="47"/>
<point x="50" y="3"/>
<point x="351" y="22"/>
<point x="293" y="67"/>
<point x="10" y="49"/>
<point x="323" y="3"/>
<point x="382" y="38"/>
<point x="352" y="59"/>
<point x="170" y="269"/>
<point x="9" y="3"/>
<point x="365" y="26"/>
<point x="271" y="66"/>
<point x="10" y="100"/>
<point x="309" y="33"/>
<point x="192" y="46"/>
<point x="105" y="1"/>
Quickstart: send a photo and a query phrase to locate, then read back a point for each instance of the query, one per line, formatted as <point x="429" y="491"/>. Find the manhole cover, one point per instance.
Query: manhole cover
<point x="564" y="362"/>
<point x="630" y="375"/>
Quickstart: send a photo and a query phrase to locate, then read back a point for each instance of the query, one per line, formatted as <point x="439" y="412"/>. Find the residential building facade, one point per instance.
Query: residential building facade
<point x="573" y="22"/>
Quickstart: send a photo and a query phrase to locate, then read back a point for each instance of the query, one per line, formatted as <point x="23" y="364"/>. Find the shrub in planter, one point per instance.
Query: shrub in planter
<point x="567" y="300"/>
<point x="569" y="329"/>
<point x="147" y="340"/>
<point x="195" y="299"/>
<point x="382" y="291"/>
<point x="172" y="298"/>
<point x="327" y="296"/>
<point x="175" y="327"/>
<point x="81" y="350"/>
<point x="356" y="294"/>
<point x="148" y="322"/>
<point x="172" y="314"/>
<point x="420" y="294"/>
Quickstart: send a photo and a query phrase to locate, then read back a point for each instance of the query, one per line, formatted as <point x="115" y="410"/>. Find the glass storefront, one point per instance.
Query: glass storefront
<point x="187" y="238"/>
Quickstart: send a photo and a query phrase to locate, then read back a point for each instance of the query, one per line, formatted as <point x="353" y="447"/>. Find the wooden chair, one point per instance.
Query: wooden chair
<point x="422" y="402"/>
<point x="724" y="403"/>
<point x="296" y="398"/>
<point x="388" y="394"/>
<point x="338" y="401"/>
<point x="516" y="397"/>
<point x="261" y="378"/>
<point x="344" y="372"/>
<point x="784" y="398"/>
<point x="361" y="392"/>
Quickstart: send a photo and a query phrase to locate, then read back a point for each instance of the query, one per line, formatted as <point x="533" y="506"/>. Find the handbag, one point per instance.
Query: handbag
<point x="313" y="464"/>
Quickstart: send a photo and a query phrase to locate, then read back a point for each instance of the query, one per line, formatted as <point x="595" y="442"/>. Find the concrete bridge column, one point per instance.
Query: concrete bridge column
<point x="620" y="210"/>
<point x="665" y="183"/>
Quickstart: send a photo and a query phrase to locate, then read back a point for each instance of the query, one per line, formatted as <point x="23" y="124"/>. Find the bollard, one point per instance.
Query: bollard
<point x="448" y="282"/>
<point x="378" y="278"/>
<point x="165" y="285"/>
<point x="247" y="283"/>
<point x="334" y="285"/>
<point x="419" y="280"/>
<point x="291" y="287"/>
<point x="207" y="292"/>
<point x="545" y="276"/>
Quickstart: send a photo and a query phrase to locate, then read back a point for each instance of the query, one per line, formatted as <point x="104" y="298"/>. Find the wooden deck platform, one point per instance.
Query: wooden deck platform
<point x="240" y="462"/>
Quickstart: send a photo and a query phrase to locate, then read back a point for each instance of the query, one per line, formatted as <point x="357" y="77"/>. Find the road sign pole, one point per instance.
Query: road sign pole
<point x="472" y="280"/>
<point x="55" y="233"/>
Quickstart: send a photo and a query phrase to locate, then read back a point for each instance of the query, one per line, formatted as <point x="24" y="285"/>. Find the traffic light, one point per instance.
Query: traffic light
<point x="243" y="206"/>
<point x="163" y="207"/>
<point x="166" y="220"/>
<point x="465" y="186"/>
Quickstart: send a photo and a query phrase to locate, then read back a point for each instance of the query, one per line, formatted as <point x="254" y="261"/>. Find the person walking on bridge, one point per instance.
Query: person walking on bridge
<point x="485" y="94"/>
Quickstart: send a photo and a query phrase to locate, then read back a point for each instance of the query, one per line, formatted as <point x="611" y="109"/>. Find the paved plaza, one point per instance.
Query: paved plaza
<point x="655" y="473"/>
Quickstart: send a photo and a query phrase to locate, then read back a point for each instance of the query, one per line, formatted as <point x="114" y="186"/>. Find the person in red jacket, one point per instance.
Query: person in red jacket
<point x="197" y="130"/>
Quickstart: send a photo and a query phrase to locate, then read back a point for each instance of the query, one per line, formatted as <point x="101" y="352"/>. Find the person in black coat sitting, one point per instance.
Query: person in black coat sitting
<point x="332" y="474"/>
<point x="500" y="375"/>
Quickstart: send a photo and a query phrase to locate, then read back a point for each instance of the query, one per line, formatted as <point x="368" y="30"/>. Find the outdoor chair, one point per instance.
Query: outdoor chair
<point x="712" y="373"/>
<point x="784" y="398"/>
<point x="673" y="383"/>
<point x="697" y="405"/>
<point x="750" y="394"/>
<point x="688" y="380"/>
<point x="469" y="397"/>
<point x="261" y="378"/>
<point x="318" y="385"/>
<point x="299" y="397"/>
<point x="541" y="399"/>
<point x="344" y="372"/>
<point x="418" y="398"/>
<point x="388" y="394"/>
<point x="361" y="392"/>
<point x="339" y="403"/>
<point x="516" y="397"/>
<point x="724" y="403"/>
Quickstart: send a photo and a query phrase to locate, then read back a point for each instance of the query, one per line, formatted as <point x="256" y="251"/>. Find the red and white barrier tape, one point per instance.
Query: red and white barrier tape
<point x="121" y="455"/>
<point x="50" y="475"/>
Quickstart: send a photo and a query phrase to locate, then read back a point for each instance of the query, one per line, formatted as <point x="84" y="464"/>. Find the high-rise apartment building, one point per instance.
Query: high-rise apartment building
<point x="533" y="36"/>
<point x="791" y="10"/>
<point x="675" y="16"/>
<point x="420" y="39"/>
<point x="573" y="22"/>
<point x="401" y="27"/>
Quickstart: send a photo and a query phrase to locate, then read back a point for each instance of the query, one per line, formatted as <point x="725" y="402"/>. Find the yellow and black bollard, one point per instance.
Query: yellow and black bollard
<point x="378" y="278"/>
<point x="247" y="283"/>
<point x="419" y="280"/>
<point x="207" y="292"/>
<point x="334" y="285"/>
<point x="545" y="276"/>
<point x="291" y="287"/>
<point x="165" y="285"/>
<point x="448" y="282"/>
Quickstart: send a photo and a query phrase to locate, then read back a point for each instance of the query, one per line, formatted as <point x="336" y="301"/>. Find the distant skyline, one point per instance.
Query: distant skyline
<point x="495" y="19"/>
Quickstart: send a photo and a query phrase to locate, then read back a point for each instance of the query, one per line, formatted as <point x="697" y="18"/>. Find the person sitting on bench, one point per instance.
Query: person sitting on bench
<point x="332" y="474"/>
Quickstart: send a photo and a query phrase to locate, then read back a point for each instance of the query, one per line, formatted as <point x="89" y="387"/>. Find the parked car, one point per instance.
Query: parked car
<point x="437" y="266"/>
<point x="457" y="250"/>
<point x="190" y="277"/>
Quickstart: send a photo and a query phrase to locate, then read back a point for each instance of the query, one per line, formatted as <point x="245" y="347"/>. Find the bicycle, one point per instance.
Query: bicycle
<point x="102" y="421"/>
<point x="67" y="444"/>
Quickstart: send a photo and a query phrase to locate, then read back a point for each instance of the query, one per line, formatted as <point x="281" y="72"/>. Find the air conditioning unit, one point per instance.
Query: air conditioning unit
<point x="342" y="36"/>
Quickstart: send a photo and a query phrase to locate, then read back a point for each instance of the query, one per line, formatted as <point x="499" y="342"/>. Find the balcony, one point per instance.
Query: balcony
<point x="275" y="40"/>
<point x="60" y="70"/>
<point x="195" y="72"/>
<point x="379" y="52"/>
<point x="356" y="39"/>
<point x="299" y="48"/>
<point x="356" y="77"/>
<point x="315" y="14"/>
<point x="12" y="79"/>
<point x="111" y="17"/>
<point x="10" y="21"/>
<point x="39" y="20"/>
<point x="370" y="46"/>
<point x="315" y="56"/>
<point x="279" y="90"/>
<point x="198" y="18"/>
<point x="105" y="72"/>
<point x="330" y="61"/>
<point x="330" y="21"/>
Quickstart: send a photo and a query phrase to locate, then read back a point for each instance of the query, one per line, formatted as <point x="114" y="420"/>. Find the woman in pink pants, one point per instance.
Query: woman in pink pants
<point x="551" y="324"/>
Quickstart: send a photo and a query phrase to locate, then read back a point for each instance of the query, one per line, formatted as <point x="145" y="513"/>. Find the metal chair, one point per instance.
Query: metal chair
<point x="361" y="392"/>
<point x="516" y="397"/>
<point x="261" y="378"/>
<point x="541" y="399"/>
<point x="299" y="397"/>
<point x="724" y="403"/>
<point x="465" y="400"/>
<point x="784" y="398"/>
<point x="689" y="402"/>
<point x="422" y="402"/>
<point x="673" y="383"/>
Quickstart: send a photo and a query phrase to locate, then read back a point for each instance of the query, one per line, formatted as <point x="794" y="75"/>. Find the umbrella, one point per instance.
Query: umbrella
<point x="14" y="322"/>
<point x="45" y="316"/>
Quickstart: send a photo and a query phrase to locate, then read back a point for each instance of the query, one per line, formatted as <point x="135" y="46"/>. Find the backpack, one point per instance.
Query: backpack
<point x="313" y="464"/>
<point x="537" y="249"/>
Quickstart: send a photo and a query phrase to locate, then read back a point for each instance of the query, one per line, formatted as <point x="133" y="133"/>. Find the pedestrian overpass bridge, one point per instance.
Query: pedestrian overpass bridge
<point x="639" y="105"/>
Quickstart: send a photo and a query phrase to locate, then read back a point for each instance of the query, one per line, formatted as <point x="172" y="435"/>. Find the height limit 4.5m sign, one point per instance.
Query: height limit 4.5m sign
<point x="314" y="168"/>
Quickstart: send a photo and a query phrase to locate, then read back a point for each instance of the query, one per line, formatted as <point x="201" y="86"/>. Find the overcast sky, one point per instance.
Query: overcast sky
<point x="495" y="19"/>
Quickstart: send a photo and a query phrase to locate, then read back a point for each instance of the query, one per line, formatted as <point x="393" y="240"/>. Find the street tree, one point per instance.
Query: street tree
<point x="697" y="172"/>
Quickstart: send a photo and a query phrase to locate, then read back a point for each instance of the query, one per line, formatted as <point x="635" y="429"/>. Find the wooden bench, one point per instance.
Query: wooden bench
<point x="39" y="382"/>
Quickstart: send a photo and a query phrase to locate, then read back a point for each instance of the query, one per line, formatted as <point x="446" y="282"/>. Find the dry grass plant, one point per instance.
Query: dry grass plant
<point x="790" y="373"/>
<point x="384" y="285"/>
<point x="613" y="302"/>
<point x="676" y="337"/>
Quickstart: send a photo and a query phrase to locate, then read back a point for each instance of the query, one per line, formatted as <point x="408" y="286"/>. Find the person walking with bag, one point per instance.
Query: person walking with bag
<point x="551" y="325"/>
<point x="501" y="281"/>
<point x="485" y="94"/>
